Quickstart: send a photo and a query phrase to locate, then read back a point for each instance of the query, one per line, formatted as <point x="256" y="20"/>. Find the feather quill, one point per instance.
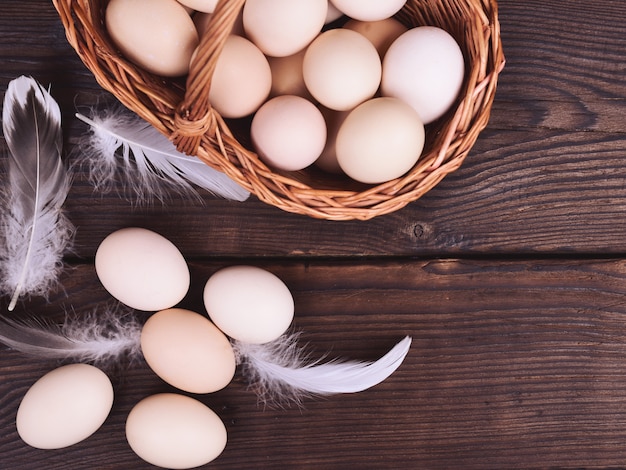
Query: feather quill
<point x="149" y="161"/>
<point x="281" y="373"/>
<point x="35" y="231"/>
<point x="101" y="337"/>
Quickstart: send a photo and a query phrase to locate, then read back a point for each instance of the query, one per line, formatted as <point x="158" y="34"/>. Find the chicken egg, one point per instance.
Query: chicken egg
<point x="187" y="351"/>
<point x="369" y="10"/>
<point x="249" y="304"/>
<point x="380" y="140"/>
<point x="64" y="407"/>
<point x="157" y="35"/>
<point x="283" y="27"/>
<point x="142" y="269"/>
<point x="175" y="431"/>
<point x="424" y="67"/>
<point x="341" y="69"/>
<point x="242" y="79"/>
<point x="288" y="132"/>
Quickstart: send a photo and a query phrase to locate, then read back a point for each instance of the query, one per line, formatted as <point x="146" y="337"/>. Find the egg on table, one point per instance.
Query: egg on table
<point x="187" y="351"/>
<point x="175" y="431"/>
<point x="142" y="269"/>
<point x="64" y="407"/>
<point x="249" y="303"/>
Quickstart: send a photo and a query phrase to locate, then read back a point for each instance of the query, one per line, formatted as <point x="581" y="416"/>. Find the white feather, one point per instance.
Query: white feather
<point x="35" y="232"/>
<point x="149" y="161"/>
<point x="98" y="337"/>
<point x="281" y="373"/>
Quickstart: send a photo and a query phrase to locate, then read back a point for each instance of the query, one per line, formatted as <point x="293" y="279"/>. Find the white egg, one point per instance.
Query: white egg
<point x="341" y="69"/>
<point x="142" y="269"/>
<point x="187" y="351"/>
<point x="380" y="140"/>
<point x="369" y="10"/>
<point x="425" y="68"/>
<point x="249" y="304"/>
<point x="288" y="132"/>
<point x="175" y="431"/>
<point x="64" y="407"/>
<point x="283" y="27"/>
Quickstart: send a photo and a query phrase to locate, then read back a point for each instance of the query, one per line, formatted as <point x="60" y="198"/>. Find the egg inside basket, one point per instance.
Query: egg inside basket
<point x="180" y="108"/>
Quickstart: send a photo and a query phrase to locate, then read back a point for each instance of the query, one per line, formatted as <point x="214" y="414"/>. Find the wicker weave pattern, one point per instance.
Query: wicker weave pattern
<point x="181" y="109"/>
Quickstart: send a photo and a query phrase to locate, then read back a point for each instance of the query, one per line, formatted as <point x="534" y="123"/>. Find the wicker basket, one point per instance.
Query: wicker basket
<point x="180" y="109"/>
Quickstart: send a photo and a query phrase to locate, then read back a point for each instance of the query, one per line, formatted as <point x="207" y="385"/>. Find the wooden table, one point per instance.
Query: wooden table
<point x="510" y="276"/>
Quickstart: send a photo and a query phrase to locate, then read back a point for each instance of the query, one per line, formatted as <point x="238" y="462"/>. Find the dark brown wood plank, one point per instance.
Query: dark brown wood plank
<point x="538" y="192"/>
<point x="564" y="66"/>
<point x="512" y="362"/>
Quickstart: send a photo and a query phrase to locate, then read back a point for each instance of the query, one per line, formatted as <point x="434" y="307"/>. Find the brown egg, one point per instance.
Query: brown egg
<point x="188" y="351"/>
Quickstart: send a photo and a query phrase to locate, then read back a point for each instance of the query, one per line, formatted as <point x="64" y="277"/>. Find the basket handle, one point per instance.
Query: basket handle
<point x="194" y="117"/>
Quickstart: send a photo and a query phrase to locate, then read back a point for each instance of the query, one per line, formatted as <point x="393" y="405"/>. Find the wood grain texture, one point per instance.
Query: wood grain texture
<point x="512" y="363"/>
<point x="510" y="276"/>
